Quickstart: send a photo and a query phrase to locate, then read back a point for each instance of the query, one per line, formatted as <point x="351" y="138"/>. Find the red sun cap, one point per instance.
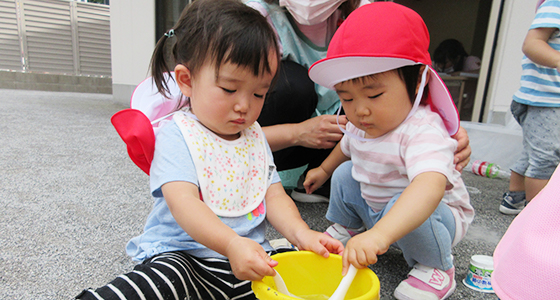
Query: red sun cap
<point x="379" y="37"/>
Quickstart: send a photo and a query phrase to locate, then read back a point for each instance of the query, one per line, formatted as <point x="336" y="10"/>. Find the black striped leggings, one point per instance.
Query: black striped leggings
<point x="177" y="276"/>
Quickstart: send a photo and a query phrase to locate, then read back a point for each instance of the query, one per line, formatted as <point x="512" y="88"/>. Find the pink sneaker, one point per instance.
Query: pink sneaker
<point x="427" y="283"/>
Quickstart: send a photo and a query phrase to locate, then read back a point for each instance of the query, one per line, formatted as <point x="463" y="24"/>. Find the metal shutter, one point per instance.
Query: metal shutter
<point x="94" y="42"/>
<point x="10" y="48"/>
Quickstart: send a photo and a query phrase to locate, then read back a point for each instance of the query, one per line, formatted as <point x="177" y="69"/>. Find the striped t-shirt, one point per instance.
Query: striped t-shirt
<point x="540" y="85"/>
<point x="385" y="166"/>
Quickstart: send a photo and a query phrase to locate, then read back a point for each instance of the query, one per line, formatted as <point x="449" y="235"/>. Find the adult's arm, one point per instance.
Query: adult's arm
<point x="319" y="132"/>
<point x="463" y="152"/>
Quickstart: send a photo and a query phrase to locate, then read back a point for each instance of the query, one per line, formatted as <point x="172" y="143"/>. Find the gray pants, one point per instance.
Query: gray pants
<point x="541" y="140"/>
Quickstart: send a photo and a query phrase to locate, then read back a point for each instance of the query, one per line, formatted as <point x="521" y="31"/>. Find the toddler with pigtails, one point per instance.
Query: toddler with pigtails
<point x="212" y="175"/>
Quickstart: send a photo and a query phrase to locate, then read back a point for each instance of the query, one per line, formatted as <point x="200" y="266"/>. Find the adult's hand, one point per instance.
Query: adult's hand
<point x="320" y="132"/>
<point x="463" y="153"/>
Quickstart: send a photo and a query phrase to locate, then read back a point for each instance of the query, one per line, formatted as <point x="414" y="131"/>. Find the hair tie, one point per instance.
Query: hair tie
<point x="170" y="33"/>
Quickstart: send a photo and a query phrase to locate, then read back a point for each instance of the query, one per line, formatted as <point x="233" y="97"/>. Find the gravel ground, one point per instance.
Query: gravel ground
<point x="72" y="199"/>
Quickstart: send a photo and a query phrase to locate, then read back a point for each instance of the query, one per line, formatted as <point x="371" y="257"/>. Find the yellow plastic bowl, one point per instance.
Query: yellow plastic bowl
<point x="307" y="273"/>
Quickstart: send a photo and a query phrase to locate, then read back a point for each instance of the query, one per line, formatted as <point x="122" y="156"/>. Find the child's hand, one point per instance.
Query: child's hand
<point x="362" y="250"/>
<point x="248" y="259"/>
<point x="318" y="242"/>
<point x="315" y="179"/>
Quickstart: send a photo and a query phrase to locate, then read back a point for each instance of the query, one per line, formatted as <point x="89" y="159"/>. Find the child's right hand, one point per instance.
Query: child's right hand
<point x="248" y="259"/>
<point x="362" y="250"/>
<point x="315" y="179"/>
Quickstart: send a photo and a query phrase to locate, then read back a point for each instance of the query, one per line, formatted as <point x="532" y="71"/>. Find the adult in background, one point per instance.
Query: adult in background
<point x="450" y="56"/>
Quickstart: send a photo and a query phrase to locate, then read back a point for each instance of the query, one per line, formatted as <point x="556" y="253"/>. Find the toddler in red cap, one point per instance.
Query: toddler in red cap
<point x="401" y="187"/>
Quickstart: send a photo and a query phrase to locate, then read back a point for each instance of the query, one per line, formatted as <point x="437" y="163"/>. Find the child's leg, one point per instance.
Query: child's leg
<point x="430" y="244"/>
<point x="175" y="275"/>
<point x="541" y="146"/>
<point x="513" y="201"/>
<point x="542" y="133"/>
<point x="346" y="206"/>
<point x="533" y="186"/>
<point x="516" y="182"/>
<point x="428" y="250"/>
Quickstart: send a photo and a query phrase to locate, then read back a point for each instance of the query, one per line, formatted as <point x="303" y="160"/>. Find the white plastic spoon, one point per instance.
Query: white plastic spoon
<point x="344" y="285"/>
<point x="281" y="286"/>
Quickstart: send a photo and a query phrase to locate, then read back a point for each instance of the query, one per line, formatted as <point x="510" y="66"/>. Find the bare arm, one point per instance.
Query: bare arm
<point x="320" y="132"/>
<point x="248" y="259"/>
<point x="415" y="205"/>
<point x="537" y="49"/>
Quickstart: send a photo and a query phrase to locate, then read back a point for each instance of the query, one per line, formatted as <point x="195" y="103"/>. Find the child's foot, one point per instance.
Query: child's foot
<point x="281" y="244"/>
<point x="427" y="283"/>
<point x="318" y="196"/>
<point x="513" y="203"/>
<point x="342" y="233"/>
<point x="321" y="194"/>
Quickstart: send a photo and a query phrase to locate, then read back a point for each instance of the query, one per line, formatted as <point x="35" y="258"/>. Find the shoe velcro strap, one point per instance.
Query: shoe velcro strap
<point x="337" y="230"/>
<point x="435" y="278"/>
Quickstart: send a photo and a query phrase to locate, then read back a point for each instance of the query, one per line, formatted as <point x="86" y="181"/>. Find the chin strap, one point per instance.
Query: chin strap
<point x="419" y="95"/>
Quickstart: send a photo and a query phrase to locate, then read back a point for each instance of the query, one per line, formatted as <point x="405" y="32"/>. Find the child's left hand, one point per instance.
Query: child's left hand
<point x="318" y="242"/>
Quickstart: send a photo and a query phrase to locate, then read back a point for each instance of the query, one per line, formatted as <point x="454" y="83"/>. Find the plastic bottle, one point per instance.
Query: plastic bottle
<point x="490" y="170"/>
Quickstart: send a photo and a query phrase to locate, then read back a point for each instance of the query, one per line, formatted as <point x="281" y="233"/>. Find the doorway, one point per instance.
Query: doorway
<point x="466" y="21"/>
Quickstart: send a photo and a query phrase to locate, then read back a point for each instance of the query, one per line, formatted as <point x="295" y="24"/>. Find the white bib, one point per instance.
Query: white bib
<point x="233" y="176"/>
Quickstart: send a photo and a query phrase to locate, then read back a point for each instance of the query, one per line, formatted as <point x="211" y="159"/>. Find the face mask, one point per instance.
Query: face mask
<point x="311" y="12"/>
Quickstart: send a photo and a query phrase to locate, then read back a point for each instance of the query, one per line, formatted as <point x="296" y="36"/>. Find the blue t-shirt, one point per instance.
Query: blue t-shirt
<point x="540" y="85"/>
<point x="172" y="162"/>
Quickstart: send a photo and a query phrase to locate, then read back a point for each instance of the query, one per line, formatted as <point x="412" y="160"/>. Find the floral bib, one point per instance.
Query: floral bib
<point x="234" y="175"/>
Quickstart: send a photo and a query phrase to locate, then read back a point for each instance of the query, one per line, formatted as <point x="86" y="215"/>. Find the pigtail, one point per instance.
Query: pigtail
<point x="159" y="65"/>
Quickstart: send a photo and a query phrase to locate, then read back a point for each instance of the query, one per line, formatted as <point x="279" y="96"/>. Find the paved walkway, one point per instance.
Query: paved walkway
<point x="72" y="198"/>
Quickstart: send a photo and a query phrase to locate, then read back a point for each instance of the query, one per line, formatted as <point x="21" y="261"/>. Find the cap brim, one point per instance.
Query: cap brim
<point x="441" y="102"/>
<point x="136" y="131"/>
<point x="350" y="67"/>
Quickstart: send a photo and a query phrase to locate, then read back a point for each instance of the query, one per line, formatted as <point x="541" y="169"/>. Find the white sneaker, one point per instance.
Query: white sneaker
<point x="281" y="244"/>
<point x="342" y="233"/>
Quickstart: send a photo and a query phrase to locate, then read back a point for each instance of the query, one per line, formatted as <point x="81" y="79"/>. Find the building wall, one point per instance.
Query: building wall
<point x="132" y="43"/>
<point x="55" y="45"/>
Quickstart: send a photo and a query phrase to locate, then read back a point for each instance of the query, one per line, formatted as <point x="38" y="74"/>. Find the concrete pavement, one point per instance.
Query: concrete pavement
<point x="72" y="198"/>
